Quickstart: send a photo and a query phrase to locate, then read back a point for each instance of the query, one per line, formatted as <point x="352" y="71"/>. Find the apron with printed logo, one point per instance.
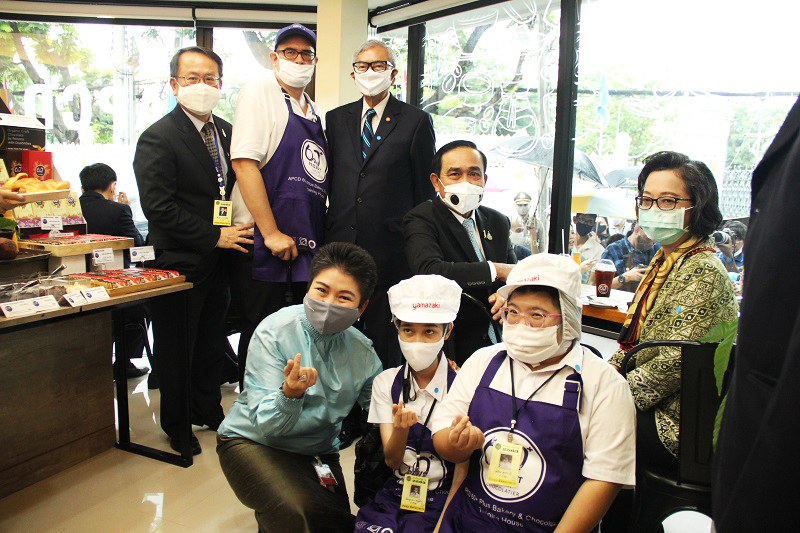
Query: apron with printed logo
<point x="551" y="468"/>
<point x="384" y="512"/>
<point x="296" y="180"/>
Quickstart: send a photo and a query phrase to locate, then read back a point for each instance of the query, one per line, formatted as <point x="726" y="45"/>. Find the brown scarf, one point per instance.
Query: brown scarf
<point x="646" y="293"/>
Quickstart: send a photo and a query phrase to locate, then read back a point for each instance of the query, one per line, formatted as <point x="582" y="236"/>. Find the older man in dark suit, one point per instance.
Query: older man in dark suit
<point x="380" y="153"/>
<point x="755" y="467"/>
<point x="181" y="165"/>
<point x="455" y="237"/>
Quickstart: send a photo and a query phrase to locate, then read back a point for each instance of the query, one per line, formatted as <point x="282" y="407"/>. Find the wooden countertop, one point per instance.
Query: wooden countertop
<point x="114" y="300"/>
<point x="610" y="314"/>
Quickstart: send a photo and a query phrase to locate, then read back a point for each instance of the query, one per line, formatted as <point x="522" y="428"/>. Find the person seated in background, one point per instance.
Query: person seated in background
<point x="684" y="293"/>
<point x="109" y="213"/>
<point x="631" y="257"/>
<point x="586" y="244"/>
<point x="731" y="253"/>
<point x="403" y="401"/>
<point x="454" y="236"/>
<point x="564" y="415"/>
<point x="619" y="225"/>
<point x="306" y="368"/>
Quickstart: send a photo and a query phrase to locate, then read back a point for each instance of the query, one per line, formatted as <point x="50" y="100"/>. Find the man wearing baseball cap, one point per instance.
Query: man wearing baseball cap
<point x="278" y="152"/>
<point x="564" y="416"/>
<point x="404" y="400"/>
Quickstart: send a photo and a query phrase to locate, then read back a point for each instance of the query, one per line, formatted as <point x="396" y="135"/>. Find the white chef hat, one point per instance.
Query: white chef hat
<point x="550" y="270"/>
<point x="428" y="299"/>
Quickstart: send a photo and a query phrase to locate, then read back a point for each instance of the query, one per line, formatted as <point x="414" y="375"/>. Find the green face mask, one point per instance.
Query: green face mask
<point x="664" y="227"/>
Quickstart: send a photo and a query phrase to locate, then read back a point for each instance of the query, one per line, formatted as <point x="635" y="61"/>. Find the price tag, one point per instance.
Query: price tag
<point x="75" y="299"/>
<point x="101" y="256"/>
<point x="142" y="253"/>
<point x="52" y="222"/>
<point x="56" y="233"/>
<point x="31" y="306"/>
<point x="95" y="294"/>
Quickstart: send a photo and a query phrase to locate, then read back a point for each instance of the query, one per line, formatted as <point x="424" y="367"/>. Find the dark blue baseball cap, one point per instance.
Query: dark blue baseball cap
<point x="295" y="29"/>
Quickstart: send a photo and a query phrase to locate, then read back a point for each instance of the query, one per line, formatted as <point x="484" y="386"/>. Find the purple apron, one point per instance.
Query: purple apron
<point x="552" y="461"/>
<point x="384" y="513"/>
<point x="296" y="181"/>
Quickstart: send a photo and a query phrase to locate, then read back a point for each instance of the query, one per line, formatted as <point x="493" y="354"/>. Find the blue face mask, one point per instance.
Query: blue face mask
<point x="663" y="227"/>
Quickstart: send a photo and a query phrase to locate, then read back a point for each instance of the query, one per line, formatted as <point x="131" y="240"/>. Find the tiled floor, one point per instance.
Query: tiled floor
<point x="118" y="491"/>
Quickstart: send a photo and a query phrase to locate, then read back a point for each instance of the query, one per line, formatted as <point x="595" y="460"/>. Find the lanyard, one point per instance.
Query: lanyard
<point x="514" y="411"/>
<point x="422" y="436"/>
<point x="220" y="179"/>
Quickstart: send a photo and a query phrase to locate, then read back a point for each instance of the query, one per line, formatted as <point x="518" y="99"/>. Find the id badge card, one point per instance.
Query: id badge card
<point x="504" y="464"/>
<point x="324" y="474"/>
<point x="223" y="212"/>
<point x="415" y="493"/>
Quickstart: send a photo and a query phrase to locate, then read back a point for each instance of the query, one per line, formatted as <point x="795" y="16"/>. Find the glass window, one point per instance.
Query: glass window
<point x="707" y="79"/>
<point x="97" y="86"/>
<point x="245" y="55"/>
<point x="397" y="40"/>
<point x="490" y="76"/>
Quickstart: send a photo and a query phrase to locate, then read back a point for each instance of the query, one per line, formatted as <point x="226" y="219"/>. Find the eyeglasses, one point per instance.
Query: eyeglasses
<point x="376" y="66"/>
<point x="535" y="320"/>
<point x="208" y="80"/>
<point x="665" y="203"/>
<point x="291" y="54"/>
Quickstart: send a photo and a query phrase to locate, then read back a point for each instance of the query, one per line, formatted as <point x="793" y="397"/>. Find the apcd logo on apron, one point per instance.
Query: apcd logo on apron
<point x="314" y="162"/>
<point x="430" y="466"/>
<point x="532" y="468"/>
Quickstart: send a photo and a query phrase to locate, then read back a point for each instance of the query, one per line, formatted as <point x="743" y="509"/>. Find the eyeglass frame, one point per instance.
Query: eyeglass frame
<point x="389" y="66"/>
<point x="301" y="53"/>
<point x="657" y="202"/>
<point x="217" y="80"/>
<point x="544" y="316"/>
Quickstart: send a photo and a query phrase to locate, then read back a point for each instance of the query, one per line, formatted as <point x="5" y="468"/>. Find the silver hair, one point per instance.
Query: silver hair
<point x="372" y="43"/>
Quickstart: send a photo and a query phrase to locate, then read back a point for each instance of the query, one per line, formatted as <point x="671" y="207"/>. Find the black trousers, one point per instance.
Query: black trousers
<point x="253" y="300"/>
<point x="205" y="318"/>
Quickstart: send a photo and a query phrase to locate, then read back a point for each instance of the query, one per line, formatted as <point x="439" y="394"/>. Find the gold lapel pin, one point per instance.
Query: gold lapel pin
<point x="388" y="119"/>
<point x="487" y="235"/>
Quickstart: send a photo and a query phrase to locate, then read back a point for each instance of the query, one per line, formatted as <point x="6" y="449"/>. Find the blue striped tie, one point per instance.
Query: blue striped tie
<point x="367" y="134"/>
<point x="469" y="225"/>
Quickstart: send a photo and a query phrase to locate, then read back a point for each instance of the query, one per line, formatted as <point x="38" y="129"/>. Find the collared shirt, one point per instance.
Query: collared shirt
<point x="607" y="416"/>
<point x="199" y="125"/>
<point x="461" y="218"/>
<point x="259" y="123"/>
<point x="346" y="365"/>
<point x="380" y="409"/>
<point x="379" y="108"/>
<point x="625" y="256"/>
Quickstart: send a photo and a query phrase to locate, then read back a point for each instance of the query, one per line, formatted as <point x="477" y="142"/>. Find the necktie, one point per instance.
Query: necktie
<point x="367" y="134"/>
<point x="208" y="137"/>
<point x="469" y="225"/>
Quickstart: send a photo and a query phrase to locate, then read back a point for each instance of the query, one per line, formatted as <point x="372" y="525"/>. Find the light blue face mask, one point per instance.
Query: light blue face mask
<point x="663" y="227"/>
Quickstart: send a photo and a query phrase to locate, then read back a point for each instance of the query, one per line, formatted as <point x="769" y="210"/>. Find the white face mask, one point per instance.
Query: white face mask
<point x="421" y="355"/>
<point x="462" y="197"/>
<point x="530" y="345"/>
<point x="294" y="75"/>
<point x="371" y="83"/>
<point x="199" y="98"/>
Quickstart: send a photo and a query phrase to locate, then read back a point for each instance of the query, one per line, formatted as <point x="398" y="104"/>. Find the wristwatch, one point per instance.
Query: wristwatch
<point x="621" y="278"/>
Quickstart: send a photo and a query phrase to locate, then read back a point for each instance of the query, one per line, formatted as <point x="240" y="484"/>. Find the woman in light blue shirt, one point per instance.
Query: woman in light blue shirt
<point x="306" y="369"/>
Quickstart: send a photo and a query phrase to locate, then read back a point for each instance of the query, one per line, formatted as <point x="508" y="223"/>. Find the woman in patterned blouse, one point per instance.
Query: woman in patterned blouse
<point x="684" y="293"/>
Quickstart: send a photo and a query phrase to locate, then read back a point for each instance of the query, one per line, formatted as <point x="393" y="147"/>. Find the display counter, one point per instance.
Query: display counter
<point x="56" y="390"/>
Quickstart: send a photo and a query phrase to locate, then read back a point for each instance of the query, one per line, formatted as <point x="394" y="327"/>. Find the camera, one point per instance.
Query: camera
<point x="723" y="236"/>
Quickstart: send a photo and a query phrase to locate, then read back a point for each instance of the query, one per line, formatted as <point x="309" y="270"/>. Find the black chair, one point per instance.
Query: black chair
<point x="658" y="494"/>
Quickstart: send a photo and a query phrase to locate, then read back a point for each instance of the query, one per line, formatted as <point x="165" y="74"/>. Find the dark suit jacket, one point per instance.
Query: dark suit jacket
<point x="435" y="243"/>
<point x="109" y="218"/>
<point x="369" y="199"/>
<point x="177" y="188"/>
<point x="756" y="467"/>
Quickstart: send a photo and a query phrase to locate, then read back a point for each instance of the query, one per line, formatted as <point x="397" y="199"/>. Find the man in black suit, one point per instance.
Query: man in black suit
<point x="107" y="216"/>
<point x="756" y="467"/>
<point x="378" y="170"/>
<point x="453" y="236"/>
<point x="181" y="165"/>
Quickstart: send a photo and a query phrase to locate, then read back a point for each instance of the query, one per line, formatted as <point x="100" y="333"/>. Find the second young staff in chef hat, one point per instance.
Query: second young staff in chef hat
<point x="534" y="345"/>
<point x="420" y="301"/>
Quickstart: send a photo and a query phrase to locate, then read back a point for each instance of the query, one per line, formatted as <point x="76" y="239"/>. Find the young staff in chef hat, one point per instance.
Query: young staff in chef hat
<point x="423" y="309"/>
<point x="534" y="345"/>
